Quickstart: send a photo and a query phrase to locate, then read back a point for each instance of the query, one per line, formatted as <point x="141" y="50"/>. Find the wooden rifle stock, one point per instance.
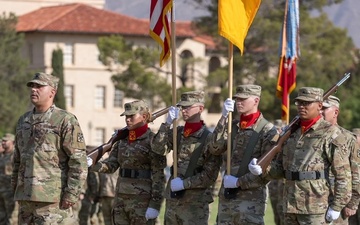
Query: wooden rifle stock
<point x="265" y="160"/>
<point x="98" y="152"/>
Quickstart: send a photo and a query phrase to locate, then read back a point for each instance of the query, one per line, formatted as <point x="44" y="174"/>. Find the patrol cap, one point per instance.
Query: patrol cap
<point x="191" y="97"/>
<point x="44" y="79"/>
<point x="310" y="94"/>
<point x="8" y="137"/>
<point x="247" y="90"/>
<point x="356" y="131"/>
<point x="331" y="101"/>
<point x="131" y="108"/>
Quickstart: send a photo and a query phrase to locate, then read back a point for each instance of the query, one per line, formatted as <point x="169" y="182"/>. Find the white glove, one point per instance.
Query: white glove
<point x="230" y="181"/>
<point x="173" y="114"/>
<point x="228" y="107"/>
<point x="151" y="213"/>
<point x="177" y="184"/>
<point x="89" y="161"/>
<point x="254" y="167"/>
<point x="331" y="215"/>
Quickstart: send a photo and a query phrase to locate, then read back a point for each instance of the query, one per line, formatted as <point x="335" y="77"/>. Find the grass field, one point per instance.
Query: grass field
<point x="269" y="216"/>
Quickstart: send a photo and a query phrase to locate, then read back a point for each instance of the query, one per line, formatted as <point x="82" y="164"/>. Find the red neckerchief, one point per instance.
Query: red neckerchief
<point x="306" y="124"/>
<point x="133" y="134"/>
<point x="190" y="128"/>
<point x="248" y="120"/>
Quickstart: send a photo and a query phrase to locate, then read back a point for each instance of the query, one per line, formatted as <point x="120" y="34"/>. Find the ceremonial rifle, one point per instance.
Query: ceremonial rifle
<point x="120" y="134"/>
<point x="266" y="158"/>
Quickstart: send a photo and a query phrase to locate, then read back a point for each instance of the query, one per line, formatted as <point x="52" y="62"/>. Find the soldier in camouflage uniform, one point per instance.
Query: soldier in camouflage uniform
<point x="249" y="193"/>
<point x="188" y="194"/>
<point x="311" y="151"/>
<point x="8" y="207"/>
<point x="355" y="219"/>
<point x="141" y="178"/>
<point x="50" y="160"/>
<point x="330" y="111"/>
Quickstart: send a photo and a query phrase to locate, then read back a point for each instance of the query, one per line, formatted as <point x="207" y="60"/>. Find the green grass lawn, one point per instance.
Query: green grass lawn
<point x="269" y="216"/>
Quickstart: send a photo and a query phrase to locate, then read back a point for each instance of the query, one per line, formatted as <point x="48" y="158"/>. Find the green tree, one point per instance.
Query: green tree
<point x="134" y="70"/>
<point x="14" y="95"/>
<point x="326" y="52"/>
<point x="58" y="71"/>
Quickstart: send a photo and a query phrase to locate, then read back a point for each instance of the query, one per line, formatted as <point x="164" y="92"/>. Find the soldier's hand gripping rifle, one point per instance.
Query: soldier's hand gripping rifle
<point x="98" y="152"/>
<point x="266" y="158"/>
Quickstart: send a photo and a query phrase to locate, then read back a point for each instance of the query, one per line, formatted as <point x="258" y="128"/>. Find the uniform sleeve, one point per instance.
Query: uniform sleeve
<point x="355" y="174"/>
<point x="74" y="146"/>
<point x="218" y="142"/>
<point x="161" y="143"/>
<point x="109" y="165"/>
<point x="340" y="167"/>
<point x="268" y="140"/>
<point x="210" y="170"/>
<point x="158" y="163"/>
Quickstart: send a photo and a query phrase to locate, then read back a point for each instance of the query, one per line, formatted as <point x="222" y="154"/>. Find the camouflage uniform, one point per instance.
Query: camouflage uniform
<point x="141" y="178"/>
<point x="355" y="219"/>
<point x="193" y="207"/>
<point x="8" y="207"/>
<point x="305" y="162"/>
<point x="248" y="207"/>
<point x="50" y="165"/>
<point x="354" y="157"/>
<point x="89" y="203"/>
<point x="107" y="194"/>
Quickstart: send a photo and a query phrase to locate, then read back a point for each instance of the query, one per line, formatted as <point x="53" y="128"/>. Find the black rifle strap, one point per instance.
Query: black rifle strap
<point x="243" y="168"/>
<point x="196" y="153"/>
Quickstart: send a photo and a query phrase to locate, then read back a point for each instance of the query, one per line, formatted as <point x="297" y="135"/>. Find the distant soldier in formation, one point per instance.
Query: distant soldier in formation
<point x="188" y="194"/>
<point x="330" y="111"/>
<point x="243" y="196"/>
<point x="141" y="179"/>
<point x="50" y="165"/>
<point x="8" y="207"/>
<point x="307" y="156"/>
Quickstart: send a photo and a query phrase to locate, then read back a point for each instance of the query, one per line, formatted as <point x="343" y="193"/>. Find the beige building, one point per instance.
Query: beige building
<point x="75" y="28"/>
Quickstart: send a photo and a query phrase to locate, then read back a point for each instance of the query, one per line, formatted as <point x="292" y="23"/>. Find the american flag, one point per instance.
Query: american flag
<point x="159" y="26"/>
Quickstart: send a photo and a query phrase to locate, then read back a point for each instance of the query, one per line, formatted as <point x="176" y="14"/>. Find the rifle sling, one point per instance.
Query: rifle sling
<point x="196" y="153"/>
<point x="243" y="168"/>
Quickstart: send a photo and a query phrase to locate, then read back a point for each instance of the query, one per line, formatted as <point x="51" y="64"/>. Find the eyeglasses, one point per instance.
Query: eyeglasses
<point x="186" y="108"/>
<point x="302" y="103"/>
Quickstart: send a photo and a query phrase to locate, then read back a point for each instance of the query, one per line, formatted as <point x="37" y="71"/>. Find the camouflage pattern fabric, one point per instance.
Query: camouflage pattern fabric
<point x="249" y="204"/>
<point x="354" y="157"/>
<point x="320" y="148"/>
<point x="49" y="160"/>
<point x="197" y="187"/>
<point x="194" y="213"/>
<point x="45" y="213"/>
<point x="142" y="191"/>
<point x="275" y="195"/>
<point x="107" y="194"/>
<point x="304" y="219"/>
<point x="8" y="207"/>
<point x="89" y="203"/>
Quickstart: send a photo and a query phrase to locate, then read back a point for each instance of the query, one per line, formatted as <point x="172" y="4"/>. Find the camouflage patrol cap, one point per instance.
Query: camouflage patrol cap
<point x="191" y="97"/>
<point x="331" y="101"/>
<point x="247" y="90"/>
<point x="8" y="137"/>
<point x="44" y="79"/>
<point x="310" y="94"/>
<point x="356" y="131"/>
<point x="131" y="108"/>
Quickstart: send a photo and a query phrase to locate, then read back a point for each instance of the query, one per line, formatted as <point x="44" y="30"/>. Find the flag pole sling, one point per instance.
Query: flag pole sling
<point x="228" y="158"/>
<point x="173" y="72"/>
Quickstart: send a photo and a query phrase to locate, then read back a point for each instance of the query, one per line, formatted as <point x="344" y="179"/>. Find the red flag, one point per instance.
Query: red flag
<point x="159" y="26"/>
<point x="289" y="52"/>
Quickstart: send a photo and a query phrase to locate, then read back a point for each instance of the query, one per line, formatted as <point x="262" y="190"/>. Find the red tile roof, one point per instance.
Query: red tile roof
<point x="82" y="18"/>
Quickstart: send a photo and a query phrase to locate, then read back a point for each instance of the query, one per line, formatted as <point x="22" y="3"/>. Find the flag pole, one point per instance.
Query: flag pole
<point x="231" y="62"/>
<point x="173" y="72"/>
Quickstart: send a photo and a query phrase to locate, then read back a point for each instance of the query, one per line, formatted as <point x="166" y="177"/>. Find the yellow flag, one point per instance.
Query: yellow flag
<point x="235" y="18"/>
